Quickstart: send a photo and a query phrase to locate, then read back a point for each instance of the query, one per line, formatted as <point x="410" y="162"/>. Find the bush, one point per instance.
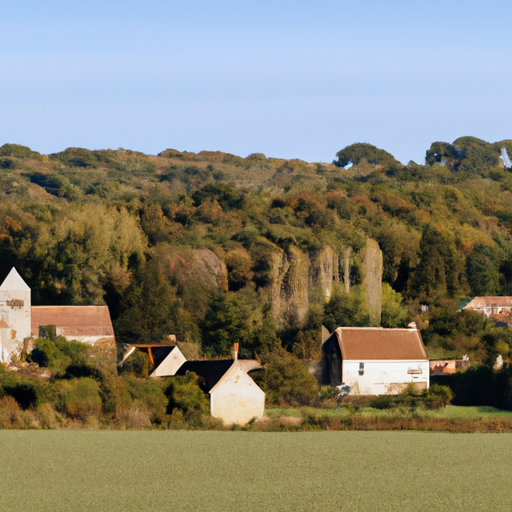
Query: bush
<point x="150" y="393"/>
<point x="24" y="392"/>
<point x="57" y="354"/>
<point x="78" y="398"/>
<point x="185" y="394"/>
<point x="286" y="380"/>
<point x="137" y="365"/>
<point x="437" y="396"/>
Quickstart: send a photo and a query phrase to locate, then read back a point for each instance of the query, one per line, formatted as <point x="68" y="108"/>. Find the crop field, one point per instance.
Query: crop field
<point x="254" y="471"/>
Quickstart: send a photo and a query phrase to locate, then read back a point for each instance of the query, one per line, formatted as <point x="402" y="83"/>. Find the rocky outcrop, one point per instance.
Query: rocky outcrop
<point x="372" y="279"/>
<point x="297" y="286"/>
<point x="210" y="269"/>
<point x="279" y="266"/>
<point x="325" y="270"/>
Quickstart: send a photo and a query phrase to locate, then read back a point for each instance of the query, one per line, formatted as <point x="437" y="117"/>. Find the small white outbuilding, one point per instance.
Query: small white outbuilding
<point x="374" y="360"/>
<point x="234" y="396"/>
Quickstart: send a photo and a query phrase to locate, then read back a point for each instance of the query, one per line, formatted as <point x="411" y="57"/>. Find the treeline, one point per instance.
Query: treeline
<point x="217" y="248"/>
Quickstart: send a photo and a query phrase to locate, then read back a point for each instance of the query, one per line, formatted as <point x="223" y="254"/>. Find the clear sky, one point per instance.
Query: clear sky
<point x="290" y="79"/>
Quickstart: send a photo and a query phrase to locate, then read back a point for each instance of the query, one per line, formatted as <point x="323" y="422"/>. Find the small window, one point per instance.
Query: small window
<point x="361" y="366"/>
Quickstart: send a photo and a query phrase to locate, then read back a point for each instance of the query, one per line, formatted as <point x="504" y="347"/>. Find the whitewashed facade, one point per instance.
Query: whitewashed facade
<point x="374" y="360"/>
<point x="15" y="313"/>
<point x="385" y="377"/>
<point x="236" y="398"/>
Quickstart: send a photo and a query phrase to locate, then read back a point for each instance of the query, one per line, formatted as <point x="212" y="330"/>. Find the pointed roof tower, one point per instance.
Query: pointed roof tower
<point x="14" y="282"/>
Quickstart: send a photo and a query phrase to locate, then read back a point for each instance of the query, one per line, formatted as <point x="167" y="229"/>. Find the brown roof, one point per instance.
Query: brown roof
<point x="73" y="320"/>
<point x="3" y="325"/>
<point x="480" y="302"/>
<point x="377" y="343"/>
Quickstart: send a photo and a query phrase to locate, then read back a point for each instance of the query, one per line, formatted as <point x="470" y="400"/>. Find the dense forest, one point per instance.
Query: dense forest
<point x="218" y="248"/>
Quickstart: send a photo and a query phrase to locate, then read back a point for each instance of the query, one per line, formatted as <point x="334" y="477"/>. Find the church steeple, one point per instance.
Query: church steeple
<point x="16" y="313"/>
<point x="14" y="282"/>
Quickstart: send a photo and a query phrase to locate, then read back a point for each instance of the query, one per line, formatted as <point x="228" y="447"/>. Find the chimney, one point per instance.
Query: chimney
<point x="235" y="351"/>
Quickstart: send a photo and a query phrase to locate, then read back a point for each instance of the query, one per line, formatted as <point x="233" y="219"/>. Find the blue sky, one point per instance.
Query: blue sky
<point x="290" y="79"/>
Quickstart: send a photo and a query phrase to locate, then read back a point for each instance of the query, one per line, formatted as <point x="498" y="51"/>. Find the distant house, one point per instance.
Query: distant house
<point x="497" y="308"/>
<point x="374" y="360"/>
<point x="443" y="366"/>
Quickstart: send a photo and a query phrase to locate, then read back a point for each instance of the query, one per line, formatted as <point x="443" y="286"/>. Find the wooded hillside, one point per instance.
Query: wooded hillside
<point x="215" y="247"/>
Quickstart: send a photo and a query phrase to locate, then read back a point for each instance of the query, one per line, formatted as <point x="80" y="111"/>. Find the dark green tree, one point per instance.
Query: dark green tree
<point x="149" y="308"/>
<point x="440" y="271"/>
<point x="221" y="326"/>
<point x="355" y="153"/>
<point x="483" y="271"/>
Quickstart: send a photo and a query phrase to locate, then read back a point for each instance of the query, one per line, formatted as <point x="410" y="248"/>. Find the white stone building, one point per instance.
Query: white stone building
<point x="15" y="315"/>
<point x="374" y="360"/>
<point x="20" y="321"/>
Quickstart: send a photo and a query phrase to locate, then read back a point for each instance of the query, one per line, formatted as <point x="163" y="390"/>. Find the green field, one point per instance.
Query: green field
<point x="224" y="471"/>
<point x="451" y="411"/>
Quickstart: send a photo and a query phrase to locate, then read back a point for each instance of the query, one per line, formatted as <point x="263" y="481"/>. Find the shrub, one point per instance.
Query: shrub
<point x="77" y="371"/>
<point x="115" y="396"/>
<point x="138" y="365"/>
<point x="24" y="392"/>
<point x="57" y="354"/>
<point x="150" y="393"/>
<point x="286" y="380"/>
<point x="437" y="396"/>
<point x="185" y="394"/>
<point x="78" y="398"/>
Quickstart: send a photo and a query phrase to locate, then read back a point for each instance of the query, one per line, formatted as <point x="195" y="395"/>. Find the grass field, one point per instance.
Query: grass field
<point x="250" y="471"/>
<point x="451" y="411"/>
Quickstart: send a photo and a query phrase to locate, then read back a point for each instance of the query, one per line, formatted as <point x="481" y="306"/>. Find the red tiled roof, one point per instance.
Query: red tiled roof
<point x="480" y="302"/>
<point x="377" y="343"/>
<point x="73" y="320"/>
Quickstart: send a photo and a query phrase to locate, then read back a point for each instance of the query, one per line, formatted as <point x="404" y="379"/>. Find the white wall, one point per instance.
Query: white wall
<point x="236" y="398"/>
<point x="15" y="311"/>
<point x="384" y="377"/>
<point x="6" y="345"/>
<point x="170" y="365"/>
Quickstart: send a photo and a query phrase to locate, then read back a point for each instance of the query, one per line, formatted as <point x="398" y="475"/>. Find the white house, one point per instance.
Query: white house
<point x="374" y="360"/>
<point x="234" y="396"/>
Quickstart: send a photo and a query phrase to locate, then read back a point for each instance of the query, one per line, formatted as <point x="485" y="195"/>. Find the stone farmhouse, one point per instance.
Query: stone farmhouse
<point x="20" y="321"/>
<point x="374" y="360"/>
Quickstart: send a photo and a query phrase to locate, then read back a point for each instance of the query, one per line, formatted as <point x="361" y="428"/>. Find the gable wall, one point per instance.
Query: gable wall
<point x="237" y="399"/>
